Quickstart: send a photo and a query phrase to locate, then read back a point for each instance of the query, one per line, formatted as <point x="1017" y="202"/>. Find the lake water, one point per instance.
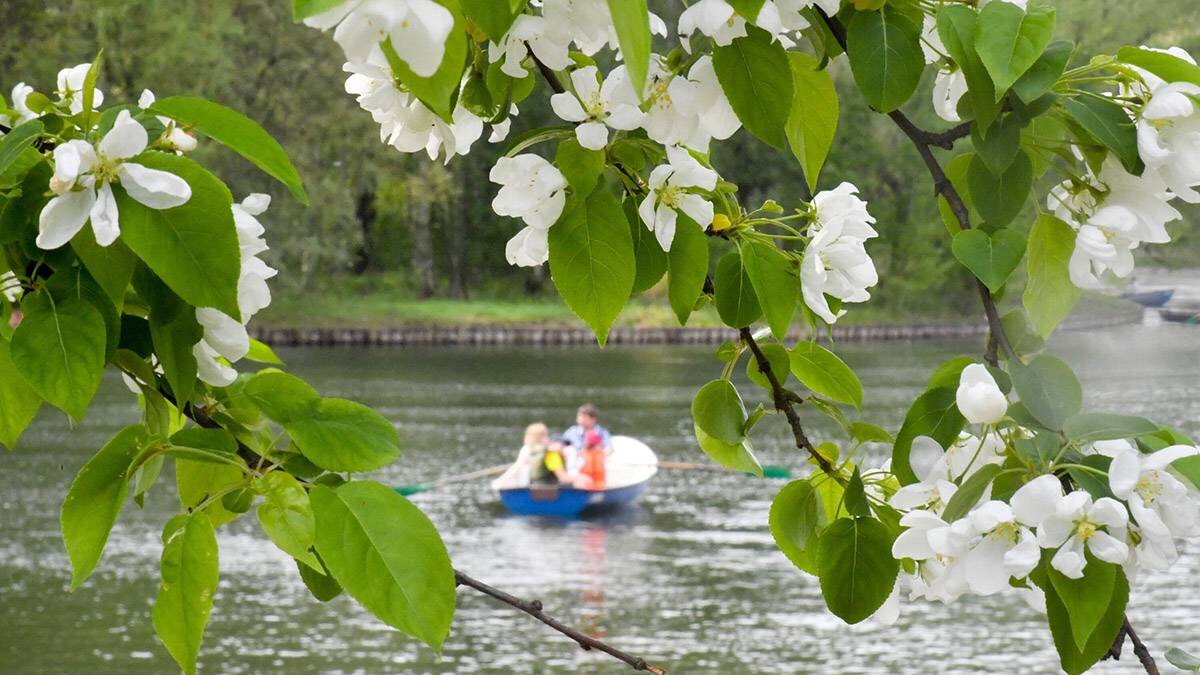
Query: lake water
<point x="690" y="579"/>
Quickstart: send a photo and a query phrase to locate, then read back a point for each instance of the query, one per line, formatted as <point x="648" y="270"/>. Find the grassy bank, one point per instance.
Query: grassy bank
<point x="375" y="308"/>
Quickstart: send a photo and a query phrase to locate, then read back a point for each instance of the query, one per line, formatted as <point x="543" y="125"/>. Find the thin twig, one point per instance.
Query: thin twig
<point x="784" y="401"/>
<point x="1140" y="649"/>
<point x="534" y="608"/>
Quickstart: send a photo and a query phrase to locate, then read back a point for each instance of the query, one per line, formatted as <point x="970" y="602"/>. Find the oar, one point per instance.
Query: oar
<point x="769" y="470"/>
<point x="460" y="478"/>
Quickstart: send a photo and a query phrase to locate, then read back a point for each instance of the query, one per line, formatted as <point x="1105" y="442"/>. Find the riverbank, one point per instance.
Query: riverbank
<point x="398" y="322"/>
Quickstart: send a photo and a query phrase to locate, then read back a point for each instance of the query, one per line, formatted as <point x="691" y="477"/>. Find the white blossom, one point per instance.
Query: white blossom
<point x="1077" y="522"/>
<point x="836" y="262"/>
<point x="934" y="488"/>
<point x="1005" y="546"/>
<point x="70" y="88"/>
<point x="949" y="86"/>
<point x="20" y="105"/>
<point x="1161" y="505"/>
<point x="83" y="178"/>
<point x="979" y="399"/>
<point x="1168" y="134"/>
<point x="533" y="190"/>
<point x="173" y="135"/>
<point x="225" y="337"/>
<point x="715" y="116"/>
<point x="715" y="18"/>
<point x="549" y="38"/>
<point x="671" y="186"/>
<point x="417" y="29"/>
<point x="597" y="107"/>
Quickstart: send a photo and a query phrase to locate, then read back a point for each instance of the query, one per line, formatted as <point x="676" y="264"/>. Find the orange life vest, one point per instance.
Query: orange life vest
<point x="593" y="467"/>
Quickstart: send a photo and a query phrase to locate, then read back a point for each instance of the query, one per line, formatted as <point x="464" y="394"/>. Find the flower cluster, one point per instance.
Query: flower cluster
<point x="997" y="543"/>
<point x="224" y="336"/>
<point x="836" y="262"/>
<point x="1114" y="211"/>
<point x="718" y="19"/>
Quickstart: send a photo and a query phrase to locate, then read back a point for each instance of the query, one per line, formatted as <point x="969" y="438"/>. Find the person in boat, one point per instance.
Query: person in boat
<point x="544" y="456"/>
<point x="587" y="418"/>
<point x="592" y="473"/>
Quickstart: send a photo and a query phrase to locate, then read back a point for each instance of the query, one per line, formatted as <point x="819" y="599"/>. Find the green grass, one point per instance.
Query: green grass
<point x="375" y="303"/>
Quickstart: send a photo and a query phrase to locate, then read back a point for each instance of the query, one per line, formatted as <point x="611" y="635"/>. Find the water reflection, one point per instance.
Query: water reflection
<point x="690" y="577"/>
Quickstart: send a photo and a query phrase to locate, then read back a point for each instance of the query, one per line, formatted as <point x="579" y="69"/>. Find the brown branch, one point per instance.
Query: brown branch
<point x="784" y="400"/>
<point x="547" y="74"/>
<point x="1139" y="649"/>
<point x="534" y="608"/>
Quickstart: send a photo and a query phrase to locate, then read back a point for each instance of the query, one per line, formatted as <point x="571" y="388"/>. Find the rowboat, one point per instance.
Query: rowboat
<point x="628" y="470"/>
<point x="1150" y="298"/>
<point x="1189" y="315"/>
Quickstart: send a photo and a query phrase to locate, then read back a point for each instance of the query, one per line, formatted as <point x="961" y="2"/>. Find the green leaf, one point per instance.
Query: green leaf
<point x="1167" y="66"/>
<point x="780" y="363"/>
<point x="1182" y="660"/>
<point x="388" y="556"/>
<point x="19" y="402"/>
<point x="999" y="145"/>
<point x="94" y="501"/>
<point x="59" y="350"/>
<point x="949" y="373"/>
<point x="631" y="19"/>
<point x="934" y="414"/>
<point x="1045" y="71"/>
<point x="262" y="353"/>
<point x="592" y="261"/>
<point x="193" y="247"/>
<point x="189" y="582"/>
<point x="438" y="91"/>
<point x="956" y="26"/>
<point x="687" y="264"/>
<point x="322" y="586"/>
<point x="992" y="259"/>
<point x="856" y="567"/>
<point x="286" y="516"/>
<point x="1091" y="427"/>
<point x="280" y="396"/>
<point x="197" y="481"/>
<point x="1085" y="599"/>
<point x="174" y="332"/>
<point x="775" y="282"/>
<point x="1110" y="125"/>
<point x="341" y="435"/>
<point x="865" y="432"/>
<point x="885" y="56"/>
<point x="757" y="79"/>
<point x="236" y="132"/>
<point x="717" y="409"/>
<point x="823" y="372"/>
<point x="580" y="166"/>
<point x="1000" y="198"/>
<point x="733" y="294"/>
<point x="970" y="492"/>
<point x="14" y="143"/>
<point x="856" y="496"/>
<point x="1074" y="659"/>
<point x="651" y="259"/>
<point x="1010" y="40"/>
<point x="736" y="456"/>
<point x="1049" y="390"/>
<point x="747" y="9"/>
<point x="302" y="9"/>
<point x="796" y="520"/>
<point x="813" y="120"/>
<point x="495" y="17"/>
<point x="111" y="266"/>
<point x="1050" y="295"/>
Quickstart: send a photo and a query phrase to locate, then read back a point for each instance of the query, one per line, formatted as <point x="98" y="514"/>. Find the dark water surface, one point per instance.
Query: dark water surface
<point x="690" y="579"/>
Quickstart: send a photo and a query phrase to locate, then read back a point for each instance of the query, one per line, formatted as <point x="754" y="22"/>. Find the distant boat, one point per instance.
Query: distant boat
<point x="1180" y="314"/>
<point x="628" y="471"/>
<point x="1155" y="298"/>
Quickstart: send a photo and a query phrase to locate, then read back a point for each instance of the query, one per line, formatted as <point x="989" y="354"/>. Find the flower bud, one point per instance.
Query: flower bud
<point x="979" y="399"/>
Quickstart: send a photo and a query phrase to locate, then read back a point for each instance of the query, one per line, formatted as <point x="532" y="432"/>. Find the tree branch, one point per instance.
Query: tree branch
<point x="534" y="608"/>
<point x="1139" y="649"/>
<point x="784" y="403"/>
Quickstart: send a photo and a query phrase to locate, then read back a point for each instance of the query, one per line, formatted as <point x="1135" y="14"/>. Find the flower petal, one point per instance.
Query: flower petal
<point x="126" y="139"/>
<point x="156" y="189"/>
<point x="105" y="219"/>
<point x="63" y="217"/>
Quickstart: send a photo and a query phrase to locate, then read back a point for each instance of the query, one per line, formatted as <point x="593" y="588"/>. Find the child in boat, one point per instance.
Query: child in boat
<point x="546" y="465"/>
<point x="587" y="418"/>
<point x="592" y="473"/>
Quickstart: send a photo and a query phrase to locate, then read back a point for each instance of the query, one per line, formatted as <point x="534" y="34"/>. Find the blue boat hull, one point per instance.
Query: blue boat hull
<point x="568" y="502"/>
<point x="1151" y="298"/>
